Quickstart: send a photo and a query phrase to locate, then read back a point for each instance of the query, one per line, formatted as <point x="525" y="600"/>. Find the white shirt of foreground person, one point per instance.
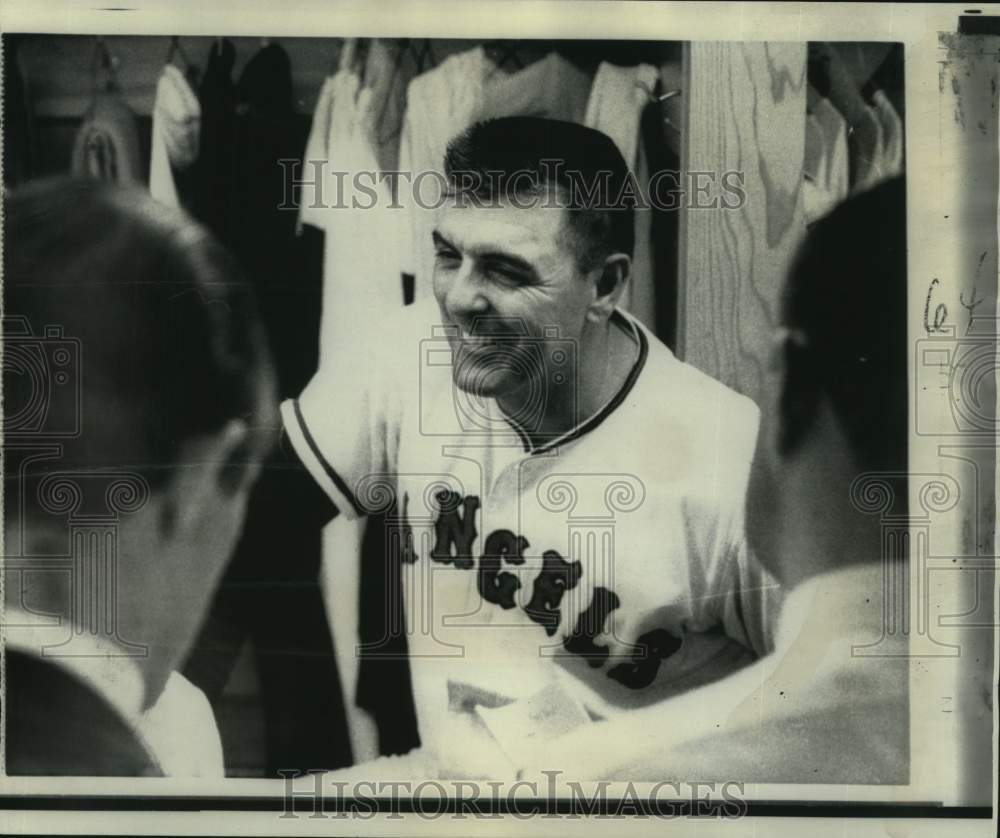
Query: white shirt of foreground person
<point x="829" y="705"/>
<point x="545" y="588"/>
<point x="178" y="730"/>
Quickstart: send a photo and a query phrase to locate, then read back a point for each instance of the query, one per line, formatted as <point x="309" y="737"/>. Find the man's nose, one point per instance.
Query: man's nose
<point x="467" y="295"/>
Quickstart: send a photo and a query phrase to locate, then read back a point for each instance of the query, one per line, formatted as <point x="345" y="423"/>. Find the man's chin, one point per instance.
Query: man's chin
<point x="482" y="371"/>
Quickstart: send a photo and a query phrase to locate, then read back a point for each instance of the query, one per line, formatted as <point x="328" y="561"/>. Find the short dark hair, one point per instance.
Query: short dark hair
<point x="501" y="158"/>
<point x="170" y="344"/>
<point x="846" y="294"/>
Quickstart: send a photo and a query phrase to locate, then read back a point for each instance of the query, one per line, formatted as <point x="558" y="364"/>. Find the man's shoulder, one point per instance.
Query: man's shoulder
<point x="678" y="392"/>
<point x="59" y="725"/>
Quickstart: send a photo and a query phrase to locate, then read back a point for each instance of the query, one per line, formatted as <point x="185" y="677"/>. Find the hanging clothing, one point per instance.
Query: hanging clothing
<point x="270" y="594"/>
<point x="614" y="108"/>
<point x="176" y="128"/>
<point x="816" y="198"/>
<point x="834" y="129"/>
<point x="892" y="136"/>
<point x="214" y="167"/>
<point x="552" y="88"/>
<point x="640" y="296"/>
<point x="361" y="258"/>
<point x="616" y="101"/>
<point x="661" y="156"/>
<point x="262" y="233"/>
<point x="107" y="144"/>
<point x="315" y="161"/>
<point x="865" y="143"/>
<point x="387" y="76"/>
<point x="361" y="283"/>
<point x="441" y="103"/>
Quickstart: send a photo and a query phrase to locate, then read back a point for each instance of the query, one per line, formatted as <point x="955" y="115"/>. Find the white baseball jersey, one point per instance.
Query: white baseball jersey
<point x="601" y="571"/>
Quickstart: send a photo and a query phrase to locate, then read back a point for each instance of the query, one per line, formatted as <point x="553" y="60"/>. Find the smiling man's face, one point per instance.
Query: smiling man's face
<point x="504" y="277"/>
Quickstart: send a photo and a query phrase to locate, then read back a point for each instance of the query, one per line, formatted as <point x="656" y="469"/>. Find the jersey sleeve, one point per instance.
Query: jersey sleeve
<point x="344" y="425"/>
<point x="750" y="600"/>
<point x="747" y="598"/>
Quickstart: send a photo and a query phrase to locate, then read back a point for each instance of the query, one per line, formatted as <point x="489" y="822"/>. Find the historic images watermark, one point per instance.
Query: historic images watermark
<point x="317" y="794"/>
<point x="666" y="189"/>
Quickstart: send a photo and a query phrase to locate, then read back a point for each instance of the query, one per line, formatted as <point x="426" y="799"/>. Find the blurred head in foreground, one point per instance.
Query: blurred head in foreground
<point x="133" y="345"/>
<point x="836" y="405"/>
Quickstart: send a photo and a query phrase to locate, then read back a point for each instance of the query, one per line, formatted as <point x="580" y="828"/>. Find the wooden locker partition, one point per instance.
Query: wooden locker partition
<point x="745" y="109"/>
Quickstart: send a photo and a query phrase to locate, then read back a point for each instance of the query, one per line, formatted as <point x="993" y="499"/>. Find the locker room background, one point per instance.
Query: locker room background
<point x="277" y="656"/>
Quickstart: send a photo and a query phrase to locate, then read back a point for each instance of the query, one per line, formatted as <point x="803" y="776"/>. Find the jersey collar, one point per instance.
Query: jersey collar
<point x="597" y="418"/>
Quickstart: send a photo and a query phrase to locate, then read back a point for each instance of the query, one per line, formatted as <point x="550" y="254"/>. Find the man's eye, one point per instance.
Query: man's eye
<point x="443" y="255"/>
<point x="505" y="276"/>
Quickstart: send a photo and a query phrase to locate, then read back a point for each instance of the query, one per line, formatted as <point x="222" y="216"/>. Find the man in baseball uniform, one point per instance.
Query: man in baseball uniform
<point x="565" y="496"/>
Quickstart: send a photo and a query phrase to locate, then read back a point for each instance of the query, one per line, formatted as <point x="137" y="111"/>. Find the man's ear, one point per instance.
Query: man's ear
<point x="221" y="462"/>
<point x="798" y="400"/>
<point x="609" y="284"/>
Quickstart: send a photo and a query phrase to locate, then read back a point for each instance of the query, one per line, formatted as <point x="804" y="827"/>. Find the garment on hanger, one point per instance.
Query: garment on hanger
<point x="615" y="105"/>
<point x="640" y="294"/>
<point x="361" y="283"/>
<point x="263" y="234"/>
<point x="892" y="136"/>
<point x="834" y="129"/>
<point x="176" y="130"/>
<point x="552" y="88"/>
<point x="816" y="198"/>
<point x="441" y="103"/>
<point x="387" y="76"/>
<point x="270" y="594"/>
<point x="361" y="268"/>
<point x="866" y="142"/>
<point x="661" y="156"/>
<point x="842" y="84"/>
<point x="214" y="168"/>
<point x="315" y="161"/>
<point x="107" y="144"/>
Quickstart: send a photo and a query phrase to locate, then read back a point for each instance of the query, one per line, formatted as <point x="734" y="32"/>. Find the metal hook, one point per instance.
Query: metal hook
<point x="653" y="96"/>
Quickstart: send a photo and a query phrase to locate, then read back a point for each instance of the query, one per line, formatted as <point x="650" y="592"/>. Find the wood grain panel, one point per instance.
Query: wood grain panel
<point x="745" y="112"/>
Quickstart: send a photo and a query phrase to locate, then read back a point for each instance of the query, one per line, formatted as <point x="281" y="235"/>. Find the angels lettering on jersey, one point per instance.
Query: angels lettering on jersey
<point x="552" y="594"/>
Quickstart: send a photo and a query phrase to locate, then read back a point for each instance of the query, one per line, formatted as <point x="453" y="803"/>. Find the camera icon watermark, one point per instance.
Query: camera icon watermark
<point x="498" y="357"/>
<point x="961" y="401"/>
<point x="41" y="382"/>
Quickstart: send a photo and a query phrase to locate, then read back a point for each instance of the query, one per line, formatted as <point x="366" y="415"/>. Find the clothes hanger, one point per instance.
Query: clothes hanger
<point x="345" y="58"/>
<point x="176" y="50"/>
<point x="832" y="79"/>
<point x="190" y="70"/>
<point x="503" y="52"/>
<point x="655" y="97"/>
